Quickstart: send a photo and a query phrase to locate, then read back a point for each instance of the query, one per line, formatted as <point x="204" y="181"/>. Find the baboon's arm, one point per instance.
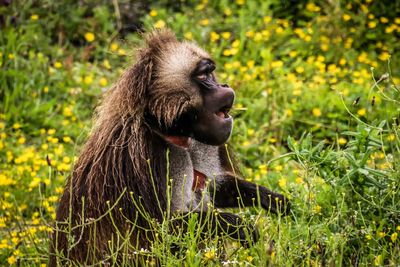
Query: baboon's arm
<point x="230" y="191"/>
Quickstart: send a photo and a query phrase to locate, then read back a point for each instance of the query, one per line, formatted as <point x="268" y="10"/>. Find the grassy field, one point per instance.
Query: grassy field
<point x="317" y="117"/>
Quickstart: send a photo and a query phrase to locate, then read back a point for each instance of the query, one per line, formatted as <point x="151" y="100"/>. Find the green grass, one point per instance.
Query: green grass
<point x="316" y="117"/>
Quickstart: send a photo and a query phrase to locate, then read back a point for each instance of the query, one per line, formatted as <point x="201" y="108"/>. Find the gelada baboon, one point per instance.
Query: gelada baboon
<point x="166" y="119"/>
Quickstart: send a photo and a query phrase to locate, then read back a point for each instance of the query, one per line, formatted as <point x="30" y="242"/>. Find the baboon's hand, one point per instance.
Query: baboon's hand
<point x="274" y="202"/>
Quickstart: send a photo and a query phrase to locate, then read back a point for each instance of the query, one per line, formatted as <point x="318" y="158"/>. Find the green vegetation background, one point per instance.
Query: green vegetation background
<point x="316" y="116"/>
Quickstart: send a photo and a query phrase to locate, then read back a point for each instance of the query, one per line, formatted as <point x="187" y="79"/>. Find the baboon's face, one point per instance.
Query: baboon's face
<point x="208" y="121"/>
<point x="184" y="99"/>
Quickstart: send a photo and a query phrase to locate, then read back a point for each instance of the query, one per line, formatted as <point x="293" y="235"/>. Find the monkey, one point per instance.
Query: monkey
<point x="165" y="122"/>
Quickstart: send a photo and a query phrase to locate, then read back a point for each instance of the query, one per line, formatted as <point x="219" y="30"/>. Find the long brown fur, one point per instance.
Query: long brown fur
<point x="122" y="154"/>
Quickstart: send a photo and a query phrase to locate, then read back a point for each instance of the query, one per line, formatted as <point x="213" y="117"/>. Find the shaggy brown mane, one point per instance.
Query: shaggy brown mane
<point x="118" y="161"/>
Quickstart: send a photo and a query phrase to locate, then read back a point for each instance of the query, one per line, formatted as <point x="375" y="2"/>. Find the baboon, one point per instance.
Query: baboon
<point x="165" y="119"/>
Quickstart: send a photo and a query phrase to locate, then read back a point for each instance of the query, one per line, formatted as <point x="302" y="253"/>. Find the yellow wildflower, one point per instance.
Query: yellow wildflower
<point x="317" y="209"/>
<point x="393" y="237"/>
<point x="299" y="69"/>
<point x="159" y="24"/>
<point x="103" y="82"/>
<point x="226" y="35"/>
<point x="227" y="11"/>
<point x="378" y="260"/>
<point x="384" y="20"/>
<point x="362" y="112"/>
<point x="372" y="24"/>
<point x="209" y="255"/>
<point x="282" y="182"/>
<point x="21" y="140"/>
<point x="89" y="36"/>
<point x="114" y="47"/>
<point x="57" y="65"/>
<point x="204" y="22"/>
<point x="11" y="260"/>
<point x="346" y="17"/>
<point x="214" y="36"/>
<point x="34" y="17"/>
<point x="316" y="112"/>
<point x="88" y="80"/>
<point x="153" y="13"/>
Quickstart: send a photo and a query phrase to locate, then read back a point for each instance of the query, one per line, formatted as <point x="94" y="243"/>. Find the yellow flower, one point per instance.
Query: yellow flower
<point x="384" y="56"/>
<point x="362" y="112"/>
<point x="240" y="2"/>
<point x="214" y="36"/>
<point x="312" y="7"/>
<point x="188" y="35"/>
<point x="114" y="47"/>
<point x="378" y="260"/>
<point x="21" y="140"/>
<point x="316" y="112"/>
<point x="276" y="64"/>
<point x="324" y="47"/>
<point x="34" y="17"/>
<point x="236" y="43"/>
<point x="278" y="168"/>
<point x="88" y="79"/>
<point x="204" y="22"/>
<point x="346" y="17"/>
<point x="106" y="64"/>
<point x="299" y="180"/>
<point x="342" y="61"/>
<point x="153" y="13"/>
<point x="372" y="24"/>
<point x="299" y="69"/>
<point x="250" y="34"/>
<point x="210" y="255"/>
<point x="16" y="126"/>
<point x="245" y="143"/>
<point x="5" y="181"/>
<point x="226" y="52"/>
<point x="11" y="260"/>
<point x="250" y="132"/>
<point x="317" y="209"/>
<point x="282" y="182"/>
<point x="46" y="89"/>
<point x="393" y="237"/>
<point x="57" y="65"/>
<point x="226" y="35"/>
<point x="227" y="12"/>
<point x="381" y="234"/>
<point x="159" y="24"/>
<point x="89" y="36"/>
<point x="67" y="112"/>
<point x="307" y="38"/>
<point x="103" y="82"/>
<point x="292" y="53"/>
<point x="384" y="20"/>
<point x="391" y="137"/>
<point x="267" y="19"/>
<point x="342" y="141"/>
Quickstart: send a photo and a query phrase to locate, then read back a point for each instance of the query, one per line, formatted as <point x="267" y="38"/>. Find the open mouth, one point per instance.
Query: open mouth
<point x="223" y="113"/>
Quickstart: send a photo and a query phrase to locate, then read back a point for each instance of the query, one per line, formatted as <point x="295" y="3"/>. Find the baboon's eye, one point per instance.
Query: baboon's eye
<point x="204" y="76"/>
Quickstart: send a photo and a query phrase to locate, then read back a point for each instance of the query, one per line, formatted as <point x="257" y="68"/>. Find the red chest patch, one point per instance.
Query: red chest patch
<point x="199" y="181"/>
